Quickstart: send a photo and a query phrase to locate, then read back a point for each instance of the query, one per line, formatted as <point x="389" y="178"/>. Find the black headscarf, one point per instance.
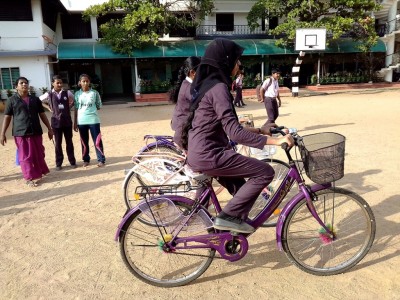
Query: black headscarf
<point x="216" y="66"/>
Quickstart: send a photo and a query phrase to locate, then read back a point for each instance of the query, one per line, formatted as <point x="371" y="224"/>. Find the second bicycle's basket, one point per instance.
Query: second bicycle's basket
<point x="323" y="156"/>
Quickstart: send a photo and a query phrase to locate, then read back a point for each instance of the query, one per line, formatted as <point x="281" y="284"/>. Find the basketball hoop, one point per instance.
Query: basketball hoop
<point x="310" y="39"/>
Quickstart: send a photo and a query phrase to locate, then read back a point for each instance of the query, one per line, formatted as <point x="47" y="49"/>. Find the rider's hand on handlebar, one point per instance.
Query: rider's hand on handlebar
<point x="287" y="139"/>
<point x="266" y="128"/>
<point x="278" y="141"/>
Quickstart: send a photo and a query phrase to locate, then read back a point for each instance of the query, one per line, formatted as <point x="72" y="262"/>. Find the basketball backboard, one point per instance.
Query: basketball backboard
<point x="310" y="39"/>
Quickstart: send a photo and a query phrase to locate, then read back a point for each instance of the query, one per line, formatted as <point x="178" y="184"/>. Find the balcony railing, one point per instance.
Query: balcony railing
<point x="395" y="58"/>
<point x="387" y="28"/>
<point x="228" y="30"/>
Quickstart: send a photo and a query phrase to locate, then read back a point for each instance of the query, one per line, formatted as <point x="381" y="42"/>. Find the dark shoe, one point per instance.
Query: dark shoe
<point x="74" y="166"/>
<point x="232" y="224"/>
<point x="58" y="168"/>
<point x="85" y="164"/>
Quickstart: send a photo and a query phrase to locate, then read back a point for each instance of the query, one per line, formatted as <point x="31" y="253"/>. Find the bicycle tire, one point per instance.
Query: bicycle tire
<point x="142" y="254"/>
<point x="309" y="248"/>
<point x="281" y="168"/>
<point x="135" y="180"/>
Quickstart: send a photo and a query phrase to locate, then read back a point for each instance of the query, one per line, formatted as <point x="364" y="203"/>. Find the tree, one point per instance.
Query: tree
<point x="339" y="17"/>
<point x="145" y="21"/>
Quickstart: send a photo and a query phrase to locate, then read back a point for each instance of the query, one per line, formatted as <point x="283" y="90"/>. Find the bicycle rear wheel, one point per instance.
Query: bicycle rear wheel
<point x="151" y="174"/>
<point x="281" y="169"/>
<point x="309" y="247"/>
<point x="141" y="245"/>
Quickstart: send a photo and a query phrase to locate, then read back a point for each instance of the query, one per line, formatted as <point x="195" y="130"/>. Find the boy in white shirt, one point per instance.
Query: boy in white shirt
<point x="269" y="93"/>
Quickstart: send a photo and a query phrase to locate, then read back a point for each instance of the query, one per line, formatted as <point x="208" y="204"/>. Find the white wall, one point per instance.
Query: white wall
<point x="35" y="69"/>
<point x="27" y="36"/>
<point x="23" y="35"/>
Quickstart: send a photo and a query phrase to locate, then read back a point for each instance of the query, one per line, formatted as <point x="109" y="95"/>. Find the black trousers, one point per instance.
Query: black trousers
<point x="232" y="173"/>
<point x="271" y="105"/>
<point x="58" y="135"/>
<point x="238" y="97"/>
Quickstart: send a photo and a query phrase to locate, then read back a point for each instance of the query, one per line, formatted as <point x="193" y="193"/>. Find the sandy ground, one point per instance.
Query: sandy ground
<point x="57" y="239"/>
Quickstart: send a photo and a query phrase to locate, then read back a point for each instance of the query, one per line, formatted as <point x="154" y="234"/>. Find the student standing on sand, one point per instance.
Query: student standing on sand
<point x="26" y="111"/>
<point x="86" y="119"/>
<point x="60" y="103"/>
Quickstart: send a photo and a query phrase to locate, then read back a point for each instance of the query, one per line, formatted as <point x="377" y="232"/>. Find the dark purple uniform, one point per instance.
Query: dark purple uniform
<point x="209" y="151"/>
<point x="181" y="111"/>
<point x="61" y="123"/>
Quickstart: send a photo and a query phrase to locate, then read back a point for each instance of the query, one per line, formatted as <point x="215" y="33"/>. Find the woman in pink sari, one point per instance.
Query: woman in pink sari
<point x="26" y="111"/>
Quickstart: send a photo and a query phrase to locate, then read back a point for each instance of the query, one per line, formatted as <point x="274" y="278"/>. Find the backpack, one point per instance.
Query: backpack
<point x="258" y="87"/>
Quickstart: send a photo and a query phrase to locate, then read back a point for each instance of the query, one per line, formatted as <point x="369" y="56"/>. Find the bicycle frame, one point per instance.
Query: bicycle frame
<point x="218" y="241"/>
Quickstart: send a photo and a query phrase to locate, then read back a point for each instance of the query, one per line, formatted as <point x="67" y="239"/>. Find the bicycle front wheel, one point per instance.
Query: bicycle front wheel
<point x="141" y="245"/>
<point x="308" y="245"/>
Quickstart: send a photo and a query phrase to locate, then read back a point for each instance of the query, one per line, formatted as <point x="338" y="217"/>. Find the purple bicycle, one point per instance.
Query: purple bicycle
<point x="162" y="159"/>
<point x="323" y="230"/>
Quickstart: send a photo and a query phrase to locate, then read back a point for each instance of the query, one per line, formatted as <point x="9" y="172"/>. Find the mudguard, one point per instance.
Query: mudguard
<point x="289" y="206"/>
<point x="144" y="205"/>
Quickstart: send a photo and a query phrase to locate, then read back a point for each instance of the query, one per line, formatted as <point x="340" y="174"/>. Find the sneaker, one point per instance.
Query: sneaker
<point x="74" y="166"/>
<point x="58" y="168"/>
<point x="232" y="224"/>
<point x="101" y="164"/>
<point x="85" y="164"/>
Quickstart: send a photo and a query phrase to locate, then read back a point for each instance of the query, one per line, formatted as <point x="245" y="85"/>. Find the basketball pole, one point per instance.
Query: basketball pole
<point x="295" y="74"/>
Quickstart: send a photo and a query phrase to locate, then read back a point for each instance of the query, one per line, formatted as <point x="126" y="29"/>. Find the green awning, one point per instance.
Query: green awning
<point x="74" y="50"/>
<point x="350" y="46"/>
<point x="96" y="50"/>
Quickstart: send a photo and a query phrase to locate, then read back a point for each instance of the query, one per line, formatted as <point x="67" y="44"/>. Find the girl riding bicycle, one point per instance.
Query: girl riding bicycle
<point x="211" y="120"/>
<point x="180" y="95"/>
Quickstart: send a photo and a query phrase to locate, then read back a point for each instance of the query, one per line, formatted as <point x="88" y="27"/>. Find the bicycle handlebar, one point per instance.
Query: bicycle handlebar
<point x="285" y="146"/>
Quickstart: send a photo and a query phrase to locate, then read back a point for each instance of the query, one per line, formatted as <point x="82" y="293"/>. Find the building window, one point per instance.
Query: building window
<point x="8" y="76"/>
<point x="225" y="22"/>
<point x="273" y="22"/>
<point x="73" y="27"/>
<point x="16" y="10"/>
<point x="189" y="31"/>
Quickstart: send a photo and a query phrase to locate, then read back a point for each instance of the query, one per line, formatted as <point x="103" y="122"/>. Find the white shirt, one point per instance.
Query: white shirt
<point x="273" y="89"/>
<point x="45" y="97"/>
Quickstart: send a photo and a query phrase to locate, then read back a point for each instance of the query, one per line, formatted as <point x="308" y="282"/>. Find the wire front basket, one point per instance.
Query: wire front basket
<point x="323" y="156"/>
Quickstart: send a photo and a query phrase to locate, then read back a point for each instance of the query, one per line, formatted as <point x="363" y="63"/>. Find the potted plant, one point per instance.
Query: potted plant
<point x="3" y="97"/>
<point x="44" y="90"/>
<point x="313" y="79"/>
<point x="156" y="85"/>
<point x="10" y="92"/>
<point x="165" y="85"/>
<point x="32" y="91"/>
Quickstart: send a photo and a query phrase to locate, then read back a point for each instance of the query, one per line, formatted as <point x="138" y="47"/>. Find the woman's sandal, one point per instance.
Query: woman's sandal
<point x="31" y="183"/>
